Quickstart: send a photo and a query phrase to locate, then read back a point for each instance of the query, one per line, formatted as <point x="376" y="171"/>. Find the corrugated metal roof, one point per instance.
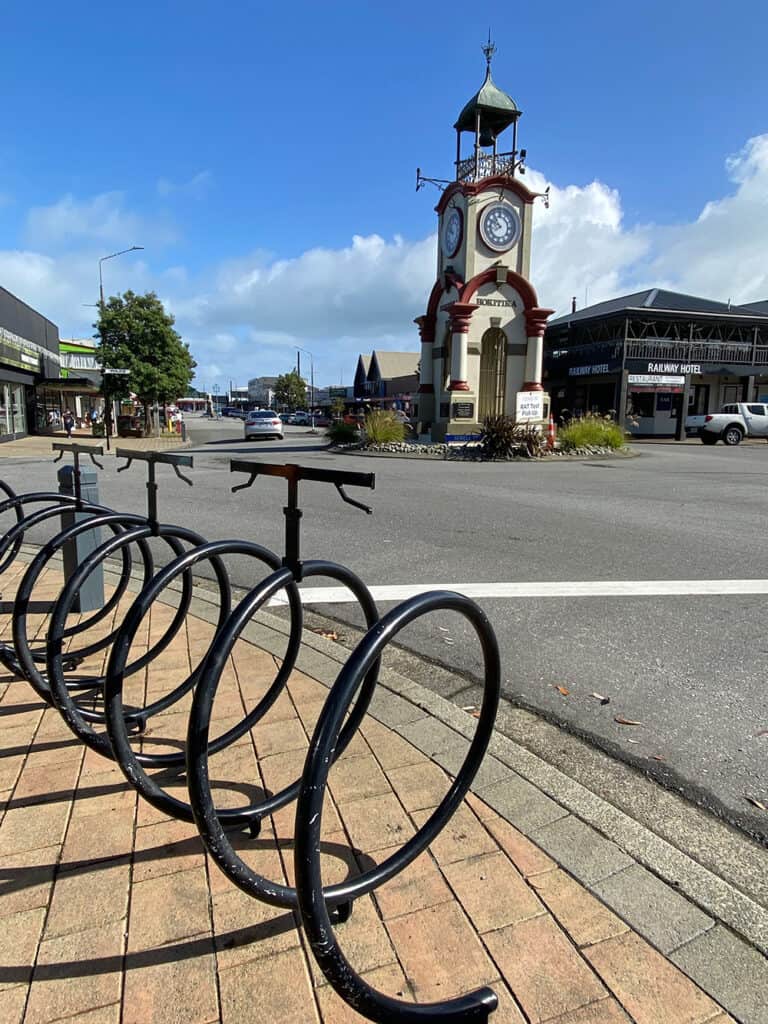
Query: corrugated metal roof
<point x="658" y="299"/>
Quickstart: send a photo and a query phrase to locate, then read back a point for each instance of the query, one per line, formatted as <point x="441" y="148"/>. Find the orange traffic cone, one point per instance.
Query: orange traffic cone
<point x="551" y="433"/>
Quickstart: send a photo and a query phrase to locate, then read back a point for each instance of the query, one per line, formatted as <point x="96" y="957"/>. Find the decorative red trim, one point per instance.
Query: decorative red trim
<point x="461" y="314"/>
<point x="426" y="329"/>
<point x="494" y="183"/>
<point x="523" y="287"/>
<point x="532" y="385"/>
<point x="438" y="289"/>
<point x="458" y="385"/>
<point x="426" y="389"/>
<point x="536" y="321"/>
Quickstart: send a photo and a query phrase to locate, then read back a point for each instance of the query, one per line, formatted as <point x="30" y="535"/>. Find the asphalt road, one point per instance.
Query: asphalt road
<point x="691" y="669"/>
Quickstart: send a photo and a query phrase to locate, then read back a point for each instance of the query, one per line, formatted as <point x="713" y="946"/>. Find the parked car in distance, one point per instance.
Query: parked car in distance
<point x="263" y="423"/>
<point x="733" y="423"/>
<point x="301" y="419"/>
<point x="234" y="412"/>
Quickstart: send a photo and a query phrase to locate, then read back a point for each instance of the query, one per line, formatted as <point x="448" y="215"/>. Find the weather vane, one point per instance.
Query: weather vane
<point x="489" y="49"/>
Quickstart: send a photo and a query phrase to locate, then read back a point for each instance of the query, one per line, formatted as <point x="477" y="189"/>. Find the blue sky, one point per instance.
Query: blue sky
<point x="247" y="146"/>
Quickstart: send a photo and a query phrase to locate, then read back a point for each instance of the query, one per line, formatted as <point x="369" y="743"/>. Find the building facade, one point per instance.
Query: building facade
<point x="482" y="333"/>
<point x="261" y="392"/>
<point x="29" y="354"/>
<point x="387" y="379"/>
<point x="653" y="357"/>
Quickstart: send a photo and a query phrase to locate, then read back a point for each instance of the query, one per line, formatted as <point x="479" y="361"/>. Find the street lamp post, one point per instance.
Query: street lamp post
<point x="107" y="405"/>
<point x="311" y="386"/>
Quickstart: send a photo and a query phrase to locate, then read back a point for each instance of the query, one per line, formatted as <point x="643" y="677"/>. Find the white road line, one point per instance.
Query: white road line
<point x="587" y="588"/>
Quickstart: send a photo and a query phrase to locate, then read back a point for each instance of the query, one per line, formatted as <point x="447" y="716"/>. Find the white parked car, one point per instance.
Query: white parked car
<point x="731" y="424"/>
<point x="263" y="423"/>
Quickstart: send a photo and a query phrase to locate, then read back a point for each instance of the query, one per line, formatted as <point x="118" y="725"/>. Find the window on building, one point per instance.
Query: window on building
<point x="641" y="404"/>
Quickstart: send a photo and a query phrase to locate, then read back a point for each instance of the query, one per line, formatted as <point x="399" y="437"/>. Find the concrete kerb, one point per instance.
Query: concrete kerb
<point x="598" y="844"/>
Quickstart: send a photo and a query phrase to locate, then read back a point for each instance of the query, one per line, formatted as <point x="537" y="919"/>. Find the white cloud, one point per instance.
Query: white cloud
<point x="245" y="317"/>
<point x="101" y="220"/>
<point x="196" y="188"/>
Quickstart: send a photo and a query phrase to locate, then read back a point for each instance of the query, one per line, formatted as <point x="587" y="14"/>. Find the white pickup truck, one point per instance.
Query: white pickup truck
<point x="733" y="423"/>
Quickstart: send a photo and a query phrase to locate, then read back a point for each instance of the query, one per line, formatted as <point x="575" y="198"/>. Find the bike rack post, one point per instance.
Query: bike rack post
<point x="82" y="484"/>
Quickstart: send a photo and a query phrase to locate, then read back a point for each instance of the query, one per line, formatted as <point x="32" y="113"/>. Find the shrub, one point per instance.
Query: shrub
<point x="502" y="438"/>
<point x="383" y="427"/>
<point x="589" y="430"/>
<point x="343" y="433"/>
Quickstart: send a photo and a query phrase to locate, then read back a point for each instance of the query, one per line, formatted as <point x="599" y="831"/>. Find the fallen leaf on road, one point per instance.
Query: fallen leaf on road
<point x="443" y="629"/>
<point x="762" y="732"/>
<point x="756" y="803"/>
<point x="475" y="714"/>
<point x="633" y="741"/>
<point x="601" y="698"/>
<point x="563" y="689"/>
<point x="329" y="634"/>
<point x="470" y="707"/>
<point x="657" y="757"/>
<point x="620" y="720"/>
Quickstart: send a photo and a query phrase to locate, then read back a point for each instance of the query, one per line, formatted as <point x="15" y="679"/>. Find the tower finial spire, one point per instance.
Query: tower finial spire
<point x="489" y="49"/>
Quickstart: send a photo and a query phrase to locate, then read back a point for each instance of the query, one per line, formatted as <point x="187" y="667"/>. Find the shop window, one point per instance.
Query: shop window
<point x="641" y="404"/>
<point x="5" y="428"/>
<point x="731" y="393"/>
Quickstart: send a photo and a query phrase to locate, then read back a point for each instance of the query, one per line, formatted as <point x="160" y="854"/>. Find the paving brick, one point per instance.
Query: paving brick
<point x="71" y="978"/>
<point x="10" y="768"/>
<point x="491" y="770"/>
<point x="650" y="989"/>
<point x="492" y="891"/>
<point x="605" y="1011"/>
<point x="247" y="929"/>
<point x="174" y="985"/>
<point x="391" y="750"/>
<point x="19" y="938"/>
<point x="580" y="849"/>
<point x="432" y="736"/>
<point x="394" y="711"/>
<point x="654" y="909"/>
<point x="168" y="908"/>
<point x="355" y="778"/>
<point x="89" y="898"/>
<point x="440" y="952"/>
<point x="102" y="794"/>
<point x="32" y="828"/>
<point x="584" y="918"/>
<point x="546" y="974"/>
<point x="730" y="970"/>
<point x="112" y="838"/>
<point x="521" y="803"/>
<point x="463" y="836"/>
<point x="278" y="1003"/>
<point x="165" y="848"/>
<point x="277" y="737"/>
<point x="525" y="855"/>
<point x="419" y="786"/>
<point x="418" y="886"/>
<point x="12" y="1003"/>
<point x="377" y="822"/>
<point x="26" y="880"/>
<point x="46" y="784"/>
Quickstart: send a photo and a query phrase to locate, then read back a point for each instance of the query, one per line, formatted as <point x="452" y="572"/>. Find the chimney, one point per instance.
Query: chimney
<point x="573" y="304"/>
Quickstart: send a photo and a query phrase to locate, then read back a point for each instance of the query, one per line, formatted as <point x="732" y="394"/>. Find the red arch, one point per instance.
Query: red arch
<point x="524" y="288"/>
<point x="438" y="291"/>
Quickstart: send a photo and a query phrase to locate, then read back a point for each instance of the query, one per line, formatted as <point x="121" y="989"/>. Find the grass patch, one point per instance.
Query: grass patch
<point x="383" y="427"/>
<point x="591" y="430"/>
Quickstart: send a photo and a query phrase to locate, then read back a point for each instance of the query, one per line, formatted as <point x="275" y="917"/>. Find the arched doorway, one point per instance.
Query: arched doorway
<point x="493" y="375"/>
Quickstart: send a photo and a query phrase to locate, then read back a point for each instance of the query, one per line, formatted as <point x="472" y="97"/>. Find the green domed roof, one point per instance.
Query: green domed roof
<point x="497" y="109"/>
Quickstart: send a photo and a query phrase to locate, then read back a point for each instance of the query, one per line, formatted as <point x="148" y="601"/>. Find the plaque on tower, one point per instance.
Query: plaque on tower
<point x="463" y="410"/>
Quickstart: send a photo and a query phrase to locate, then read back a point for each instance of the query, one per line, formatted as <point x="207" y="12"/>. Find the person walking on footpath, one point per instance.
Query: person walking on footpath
<point x="69" y="422"/>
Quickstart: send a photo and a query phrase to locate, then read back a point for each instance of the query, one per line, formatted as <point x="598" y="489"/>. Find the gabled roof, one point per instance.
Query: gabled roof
<point x="393" y="364"/>
<point x="660" y="300"/>
<point x="756" y="307"/>
<point x="363" y="365"/>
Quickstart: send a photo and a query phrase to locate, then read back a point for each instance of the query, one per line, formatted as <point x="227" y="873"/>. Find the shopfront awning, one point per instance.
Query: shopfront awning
<point x="81" y="384"/>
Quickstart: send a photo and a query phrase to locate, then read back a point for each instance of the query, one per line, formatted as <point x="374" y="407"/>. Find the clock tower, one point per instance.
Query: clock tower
<point x="482" y="334"/>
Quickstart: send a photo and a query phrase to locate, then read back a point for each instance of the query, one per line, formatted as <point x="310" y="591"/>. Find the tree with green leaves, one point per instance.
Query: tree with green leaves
<point x="291" y="390"/>
<point x="136" y="334"/>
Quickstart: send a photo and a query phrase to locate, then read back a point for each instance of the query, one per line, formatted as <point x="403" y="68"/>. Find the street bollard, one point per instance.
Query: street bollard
<point x="91" y="595"/>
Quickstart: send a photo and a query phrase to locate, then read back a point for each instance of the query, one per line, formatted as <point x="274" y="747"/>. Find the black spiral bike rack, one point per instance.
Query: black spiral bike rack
<point x="95" y="702"/>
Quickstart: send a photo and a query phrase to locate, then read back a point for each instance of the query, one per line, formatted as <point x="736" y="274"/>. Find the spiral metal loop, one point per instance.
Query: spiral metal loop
<point x="343" y="711"/>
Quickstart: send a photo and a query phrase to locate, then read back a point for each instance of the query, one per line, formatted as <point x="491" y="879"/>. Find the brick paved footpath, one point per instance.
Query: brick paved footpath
<point x="113" y="913"/>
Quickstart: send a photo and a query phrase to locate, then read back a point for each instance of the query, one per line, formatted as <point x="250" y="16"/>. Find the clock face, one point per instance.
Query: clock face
<point x="499" y="226"/>
<point x="452" y="228"/>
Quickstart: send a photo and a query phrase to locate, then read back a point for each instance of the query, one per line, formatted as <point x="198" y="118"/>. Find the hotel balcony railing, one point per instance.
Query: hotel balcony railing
<point x="742" y="353"/>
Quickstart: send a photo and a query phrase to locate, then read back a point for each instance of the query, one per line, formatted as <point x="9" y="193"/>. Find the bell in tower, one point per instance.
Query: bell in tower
<point x="482" y="334"/>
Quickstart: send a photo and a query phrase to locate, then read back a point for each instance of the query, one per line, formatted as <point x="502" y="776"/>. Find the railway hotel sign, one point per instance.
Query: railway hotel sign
<point x="674" y="368"/>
